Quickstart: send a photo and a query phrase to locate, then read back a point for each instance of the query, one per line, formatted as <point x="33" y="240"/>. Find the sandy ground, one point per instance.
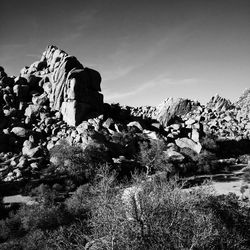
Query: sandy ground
<point x="18" y="199"/>
<point x="228" y="187"/>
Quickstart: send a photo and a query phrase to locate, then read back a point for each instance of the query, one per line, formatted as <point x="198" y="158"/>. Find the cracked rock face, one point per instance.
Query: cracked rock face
<point x="173" y="107"/>
<point x="219" y="103"/>
<point x="243" y="104"/>
<point x="71" y="88"/>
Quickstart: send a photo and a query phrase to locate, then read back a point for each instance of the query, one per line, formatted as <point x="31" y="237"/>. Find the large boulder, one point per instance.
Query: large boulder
<point x="131" y="199"/>
<point x="174" y="107"/>
<point x="188" y="143"/>
<point x="20" y="131"/>
<point x="74" y="112"/>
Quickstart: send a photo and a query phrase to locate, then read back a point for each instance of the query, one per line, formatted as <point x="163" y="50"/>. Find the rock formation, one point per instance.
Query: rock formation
<point x="70" y="87"/>
<point x="219" y="103"/>
<point x="243" y="104"/>
<point x="173" y="107"/>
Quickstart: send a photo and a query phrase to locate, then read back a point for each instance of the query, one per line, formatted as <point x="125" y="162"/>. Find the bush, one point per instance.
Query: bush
<point x="209" y="142"/>
<point x="169" y="218"/>
<point x="43" y="217"/>
<point x="164" y="217"/>
<point x="78" y="204"/>
<point x="78" y="163"/>
<point x="72" y="237"/>
<point x="206" y="163"/>
<point x="151" y="155"/>
<point x="11" y="228"/>
<point x="34" y="240"/>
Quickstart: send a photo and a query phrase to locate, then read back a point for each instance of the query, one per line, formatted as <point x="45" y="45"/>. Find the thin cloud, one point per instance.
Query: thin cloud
<point x="82" y="21"/>
<point x="118" y="72"/>
<point x="128" y="54"/>
<point x="162" y="80"/>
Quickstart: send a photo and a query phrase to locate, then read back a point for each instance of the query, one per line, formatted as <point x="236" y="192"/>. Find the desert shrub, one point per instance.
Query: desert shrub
<point x="169" y="218"/>
<point x="34" y="240"/>
<point x="43" y="217"/>
<point x="165" y="217"/>
<point x="202" y="163"/>
<point x="151" y="155"/>
<point x="78" y="163"/>
<point x="44" y="214"/>
<point x="72" y="237"/>
<point x="79" y="202"/>
<point x="126" y="142"/>
<point x="206" y="163"/>
<point x="189" y="154"/>
<point x="11" y="228"/>
<point x="208" y="142"/>
<point x="107" y="218"/>
<point x="246" y="175"/>
<point x="3" y="210"/>
<point x="44" y="195"/>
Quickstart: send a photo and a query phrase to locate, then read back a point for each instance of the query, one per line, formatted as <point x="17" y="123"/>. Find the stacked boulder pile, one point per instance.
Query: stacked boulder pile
<point x="225" y="120"/>
<point x="40" y="106"/>
<point x="70" y="87"/>
<point x="219" y="117"/>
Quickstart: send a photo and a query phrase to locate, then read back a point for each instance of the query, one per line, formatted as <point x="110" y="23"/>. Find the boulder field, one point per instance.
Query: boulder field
<point x="57" y="99"/>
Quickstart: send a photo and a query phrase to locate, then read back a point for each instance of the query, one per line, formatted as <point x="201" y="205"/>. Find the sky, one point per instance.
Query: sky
<point x="145" y="50"/>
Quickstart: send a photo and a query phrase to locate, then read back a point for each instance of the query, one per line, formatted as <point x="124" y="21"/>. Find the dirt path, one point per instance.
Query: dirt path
<point x="230" y="182"/>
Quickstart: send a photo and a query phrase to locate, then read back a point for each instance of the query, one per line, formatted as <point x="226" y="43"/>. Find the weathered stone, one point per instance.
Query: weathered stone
<point x="131" y="199"/>
<point x="195" y="135"/>
<point x="17" y="173"/>
<point x="22" y="162"/>
<point x="135" y="124"/>
<point x="32" y="111"/>
<point x="81" y="128"/>
<point x="150" y="134"/>
<point x="174" y="156"/>
<point x="34" y="165"/>
<point x="74" y="112"/>
<point x="218" y="103"/>
<point x="188" y="143"/>
<point x="190" y="121"/>
<point x="176" y="126"/>
<point x="29" y="149"/>
<point x="89" y="79"/>
<point x="41" y="99"/>
<point x="21" y="92"/>
<point x="20" y="131"/>
<point x="171" y="108"/>
<point x="50" y="145"/>
<point x="108" y="123"/>
<point x="243" y="104"/>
